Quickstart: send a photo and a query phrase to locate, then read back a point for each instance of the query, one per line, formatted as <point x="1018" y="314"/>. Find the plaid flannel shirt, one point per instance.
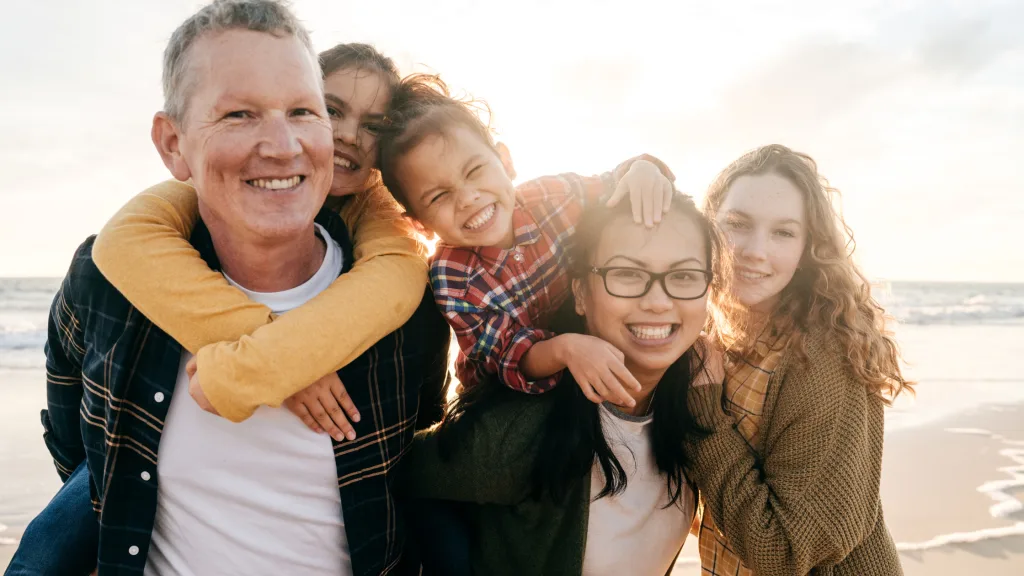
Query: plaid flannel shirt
<point x="745" y="390"/>
<point x="499" y="301"/>
<point x="110" y="376"/>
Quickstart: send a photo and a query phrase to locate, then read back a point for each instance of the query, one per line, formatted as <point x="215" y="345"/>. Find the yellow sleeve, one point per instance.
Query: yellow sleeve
<point x="144" y="252"/>
<point x="245" y="360"/>
<point x="377" y="296"/>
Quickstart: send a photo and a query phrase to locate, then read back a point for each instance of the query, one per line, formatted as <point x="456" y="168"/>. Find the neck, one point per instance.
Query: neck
<point x="268" y="264"/>
<point x="648" y="380"/>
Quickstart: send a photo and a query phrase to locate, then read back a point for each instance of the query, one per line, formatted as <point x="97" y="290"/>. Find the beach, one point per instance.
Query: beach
<point x="953" y="469"/>
<point x="960" y="435"/>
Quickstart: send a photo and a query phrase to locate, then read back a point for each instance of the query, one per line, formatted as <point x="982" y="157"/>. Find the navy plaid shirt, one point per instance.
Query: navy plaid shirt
<point x="110" y="375"/>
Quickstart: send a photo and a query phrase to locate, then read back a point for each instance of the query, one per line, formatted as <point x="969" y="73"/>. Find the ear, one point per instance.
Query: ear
<point x="577" y="293"/>
<point x="167" y="139"/>
<point x="506" y="159"/>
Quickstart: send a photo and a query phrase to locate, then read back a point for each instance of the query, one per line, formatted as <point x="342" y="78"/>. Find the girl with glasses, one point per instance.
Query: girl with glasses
<point x="556" y="484"/>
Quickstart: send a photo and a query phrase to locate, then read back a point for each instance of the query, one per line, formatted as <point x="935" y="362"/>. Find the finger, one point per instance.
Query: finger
<point x="624" y="376"/>
<point x="621" y="189"/>
<point x="617" y="393"/>
<point x="589" y="392"/>
<point x="322" y="418"/>
<point x="635" y="201"/>
<point x="302" y="412"/>
<point x="341" y="395"/>
<point x="669" y="192"/>
<point x="614" y="392"/>
<point x="337" y="416"/>
<point x="191" y="366"/>
<point x="648" y="214"/>
<point x="658" y="202"/>
<point x="615" y="352"/>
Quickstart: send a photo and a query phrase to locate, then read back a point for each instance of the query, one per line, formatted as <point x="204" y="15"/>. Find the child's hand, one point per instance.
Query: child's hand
<point x="714" y="362"/>
<point x="598" y="368"/>
<point x="650" y="192"/>
<point x="195" y="390"/>
<point x="323" y="406"/>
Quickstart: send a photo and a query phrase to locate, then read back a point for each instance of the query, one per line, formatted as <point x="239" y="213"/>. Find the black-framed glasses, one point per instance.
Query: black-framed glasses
<point x="680" y="284"/>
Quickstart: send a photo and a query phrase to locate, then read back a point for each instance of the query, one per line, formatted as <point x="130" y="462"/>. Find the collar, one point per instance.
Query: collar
<point x="527" y="232"/>
<point x="203" y="242"/>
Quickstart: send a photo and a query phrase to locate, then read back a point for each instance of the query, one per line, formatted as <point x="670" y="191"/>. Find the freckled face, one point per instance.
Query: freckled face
<point x="763" y="218"/>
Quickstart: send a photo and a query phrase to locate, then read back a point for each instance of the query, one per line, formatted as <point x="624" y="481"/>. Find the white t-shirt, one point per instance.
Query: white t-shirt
<point x="257" y="497"/>
<point x="632" y="532"/>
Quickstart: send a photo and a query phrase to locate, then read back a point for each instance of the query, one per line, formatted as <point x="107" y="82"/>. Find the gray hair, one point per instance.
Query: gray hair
<point x="270" y="16"/>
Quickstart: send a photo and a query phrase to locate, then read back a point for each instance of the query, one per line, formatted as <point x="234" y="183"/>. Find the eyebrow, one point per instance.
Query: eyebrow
<point x="643" y="264"/>
<point x="339" y="103"/>
<point x="743" y="214"/>
<point x="465" y="167"/>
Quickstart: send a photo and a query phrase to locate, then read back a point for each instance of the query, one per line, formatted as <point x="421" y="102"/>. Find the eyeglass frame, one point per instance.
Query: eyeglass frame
<point x="654" y="277"/>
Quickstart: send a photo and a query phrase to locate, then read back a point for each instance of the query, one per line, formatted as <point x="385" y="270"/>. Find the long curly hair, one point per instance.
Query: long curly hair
<point x="828" y="290"/>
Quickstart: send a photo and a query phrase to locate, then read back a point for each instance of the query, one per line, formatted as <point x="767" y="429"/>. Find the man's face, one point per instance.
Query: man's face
<point x="256" y="138"/>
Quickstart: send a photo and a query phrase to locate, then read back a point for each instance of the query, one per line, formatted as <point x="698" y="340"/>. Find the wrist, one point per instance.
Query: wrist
<point x="560" y="346"/>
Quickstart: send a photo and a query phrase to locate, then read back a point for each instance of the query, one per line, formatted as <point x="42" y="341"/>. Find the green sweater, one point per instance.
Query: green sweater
<point x="808" y="503"/>
<point x="491" y="466"/>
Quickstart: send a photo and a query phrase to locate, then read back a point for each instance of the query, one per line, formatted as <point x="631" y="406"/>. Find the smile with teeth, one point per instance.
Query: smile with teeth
<point x="480" y="218"/>
<point x="276" y="183"/>
<point x="748" y="275"/>
<point x="652" y="332"/>
<point x="345" y="163"/>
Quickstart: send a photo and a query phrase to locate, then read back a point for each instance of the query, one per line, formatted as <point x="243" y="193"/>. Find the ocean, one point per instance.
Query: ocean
<point x="953" y="472"/>
<point x="24" y="303"/>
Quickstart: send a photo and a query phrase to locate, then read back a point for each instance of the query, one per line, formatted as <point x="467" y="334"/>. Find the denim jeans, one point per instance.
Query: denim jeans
<point x="62" y="540"/>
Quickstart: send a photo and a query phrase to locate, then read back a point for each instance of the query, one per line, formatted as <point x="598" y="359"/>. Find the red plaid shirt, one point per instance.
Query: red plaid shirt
<point x="499" y="301"/>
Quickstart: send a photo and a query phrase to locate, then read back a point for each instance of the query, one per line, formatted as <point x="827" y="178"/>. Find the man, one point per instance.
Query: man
<point x="179" y="490"/>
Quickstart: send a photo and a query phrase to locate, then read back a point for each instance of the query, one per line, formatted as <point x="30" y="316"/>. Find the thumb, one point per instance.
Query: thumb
<point x="621" y="190"/>
<point x="191" y="367"/>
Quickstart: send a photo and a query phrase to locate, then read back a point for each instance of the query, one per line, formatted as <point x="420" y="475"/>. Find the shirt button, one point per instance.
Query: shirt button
<point x="518" y="257"/>
<point x="134" y="550"/>
<point x="145" y="475"/>
<point x="159" y="396"/>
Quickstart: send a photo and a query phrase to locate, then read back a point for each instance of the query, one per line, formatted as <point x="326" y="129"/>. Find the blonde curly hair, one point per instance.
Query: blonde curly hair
<point x="828" y="290"/>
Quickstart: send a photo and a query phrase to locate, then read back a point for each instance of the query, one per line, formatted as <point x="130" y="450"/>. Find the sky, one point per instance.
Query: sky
<point x="913" y="109"/>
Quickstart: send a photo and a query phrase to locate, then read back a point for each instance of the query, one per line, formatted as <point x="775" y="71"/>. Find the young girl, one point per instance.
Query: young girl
<point x="244" y="358"/>
<point x="555" y="484"/>
<point x="789" y="475"/>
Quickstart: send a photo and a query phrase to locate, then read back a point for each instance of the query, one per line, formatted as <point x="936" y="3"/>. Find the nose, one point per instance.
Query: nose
<point x="279" y="139"/>
<point x="347" y="131"/>
<point x="656" y="300"/>
<point x="753" y="247"/>
<point x="466" y="196"/>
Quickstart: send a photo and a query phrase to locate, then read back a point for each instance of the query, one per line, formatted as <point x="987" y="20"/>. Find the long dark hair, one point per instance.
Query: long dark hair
<point x="572" y="436"/>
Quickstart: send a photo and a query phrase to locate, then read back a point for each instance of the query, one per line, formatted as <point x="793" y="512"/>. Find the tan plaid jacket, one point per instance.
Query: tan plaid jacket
<point x="745" y="389"/>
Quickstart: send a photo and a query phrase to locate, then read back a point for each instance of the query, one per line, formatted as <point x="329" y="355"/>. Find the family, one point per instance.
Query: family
<point x="247" y="369"/>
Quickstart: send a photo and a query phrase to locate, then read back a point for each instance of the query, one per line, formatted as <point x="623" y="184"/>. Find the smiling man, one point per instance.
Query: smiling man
<point x="177" y="489"/>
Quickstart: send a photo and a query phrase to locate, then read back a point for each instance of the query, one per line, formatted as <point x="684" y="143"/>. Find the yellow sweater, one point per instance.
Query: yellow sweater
<point x="246" y="356"/>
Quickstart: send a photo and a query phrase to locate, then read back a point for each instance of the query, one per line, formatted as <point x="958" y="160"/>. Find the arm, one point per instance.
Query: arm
<point x="490" y="462"/>
<point x="376" y="297"/>
<point x="813" y="497"/>
<point x="491" y="342"/>
<point x="64" y="350"/>
<point x="143" y="252"/>
<point x="589" y="189"/>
